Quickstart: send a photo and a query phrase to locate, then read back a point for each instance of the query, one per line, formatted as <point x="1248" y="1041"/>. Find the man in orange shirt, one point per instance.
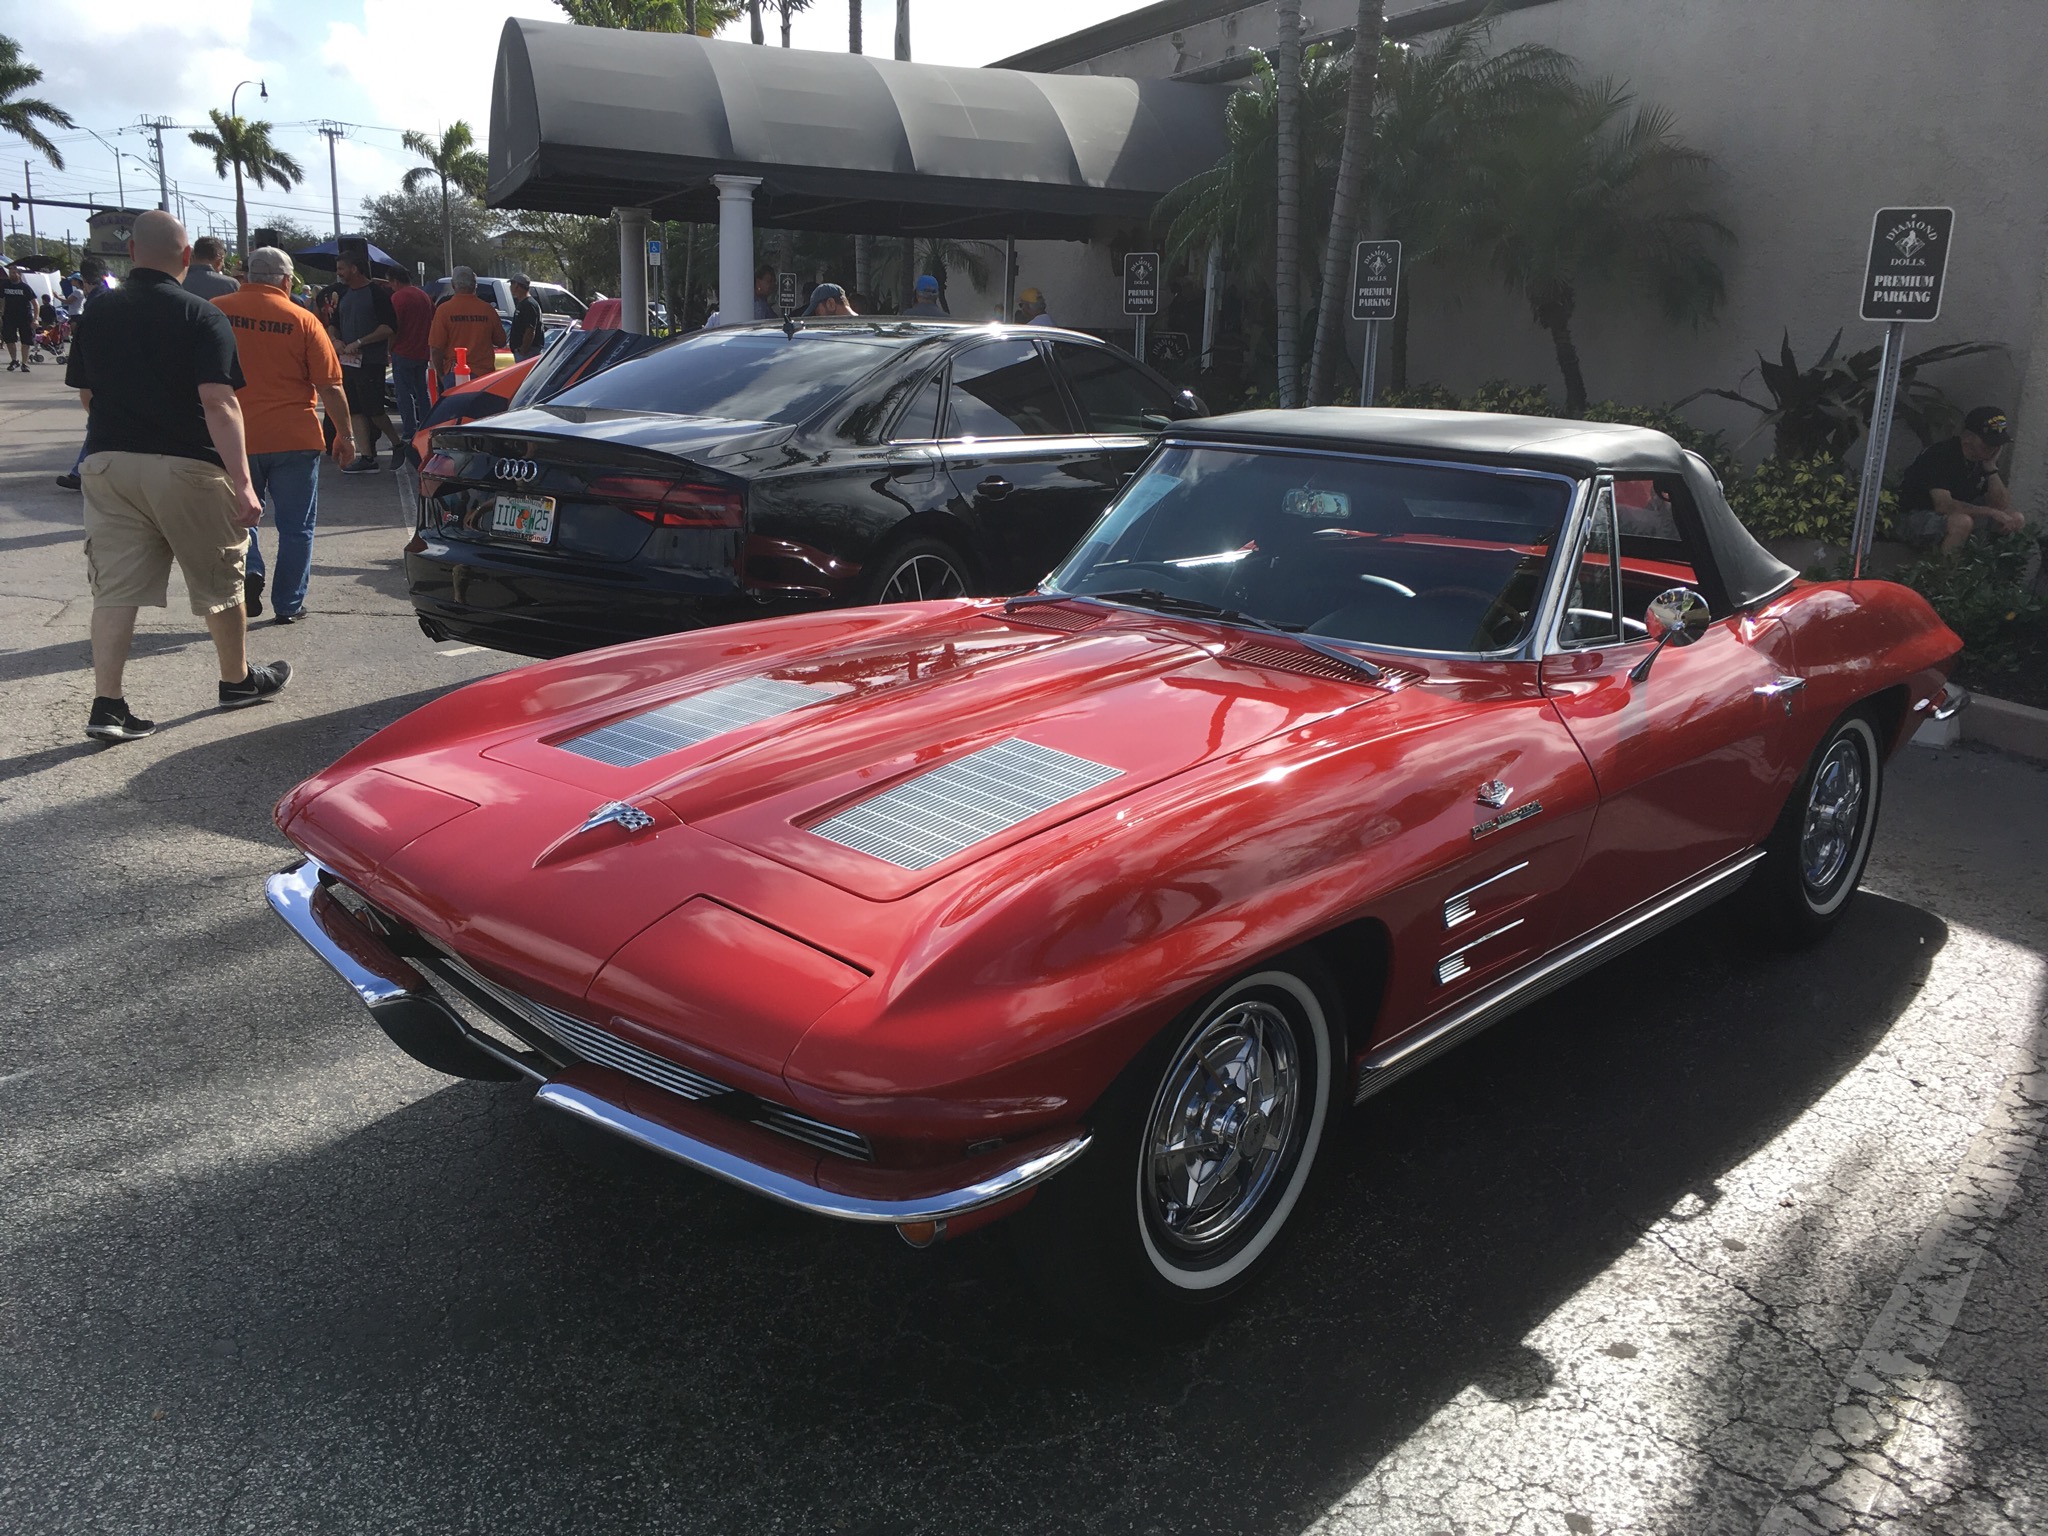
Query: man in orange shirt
<point x="464" y="320"/>
<point x="288" y="361"/>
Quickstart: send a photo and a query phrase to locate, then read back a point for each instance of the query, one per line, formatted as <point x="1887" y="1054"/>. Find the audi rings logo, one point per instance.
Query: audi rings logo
<point x="518" y="471"/>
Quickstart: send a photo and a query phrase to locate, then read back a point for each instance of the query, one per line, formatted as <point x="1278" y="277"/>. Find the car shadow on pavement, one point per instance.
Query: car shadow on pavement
<point x="453" y="1317"/>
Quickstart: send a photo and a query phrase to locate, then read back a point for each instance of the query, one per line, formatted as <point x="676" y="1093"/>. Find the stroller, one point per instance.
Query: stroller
<point x="52" y="335"/>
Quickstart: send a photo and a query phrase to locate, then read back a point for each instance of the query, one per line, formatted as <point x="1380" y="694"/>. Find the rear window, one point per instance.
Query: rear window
<point x="557" y="301"/>
<point x="739" y="375"/>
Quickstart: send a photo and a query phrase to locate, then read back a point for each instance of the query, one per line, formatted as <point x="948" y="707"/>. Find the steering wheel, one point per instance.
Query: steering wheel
<point x="1501" y="621"/>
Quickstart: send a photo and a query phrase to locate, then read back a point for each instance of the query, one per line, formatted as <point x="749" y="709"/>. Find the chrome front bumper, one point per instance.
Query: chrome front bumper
<point x="407" y="1005"/>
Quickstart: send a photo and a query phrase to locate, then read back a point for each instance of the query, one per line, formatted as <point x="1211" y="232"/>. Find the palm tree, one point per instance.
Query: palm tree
<point x="19" y="114"/>
<point x="1441" y="113"/>
<point x="1344" y="207"/>
<point x="1287" y="201"/>
<point x="242" y="148"/>
<point x="853" y="26"/>
<point x="456" y="160"/>
<point x="903" y="29"/>
<point x="787" y="9"/>
<point x="1598" y="192"/>
<point x="754" y="20"/>
<point x="1231" y="204"/>
<point x="703" y="17"/>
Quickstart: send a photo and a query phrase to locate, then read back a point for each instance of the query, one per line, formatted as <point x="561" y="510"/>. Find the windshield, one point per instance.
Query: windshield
<point x="1409" y="556"/>
<point x="741" y="375"/>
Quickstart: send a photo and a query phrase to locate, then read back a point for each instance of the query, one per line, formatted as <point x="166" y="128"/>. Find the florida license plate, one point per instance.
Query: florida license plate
<point x="531" y="518"/>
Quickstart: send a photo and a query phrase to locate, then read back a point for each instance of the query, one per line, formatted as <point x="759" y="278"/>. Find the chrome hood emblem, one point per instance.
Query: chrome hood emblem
<point x="629" y="817"/>
<point x="1495" y="793"/>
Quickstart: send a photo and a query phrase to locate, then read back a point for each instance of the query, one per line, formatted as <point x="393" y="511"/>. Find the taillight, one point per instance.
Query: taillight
<point x="438" y="467"/>
<point x="671" y="503"/>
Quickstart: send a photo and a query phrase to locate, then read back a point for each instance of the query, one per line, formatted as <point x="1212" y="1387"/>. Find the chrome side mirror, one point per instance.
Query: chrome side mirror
<point x="1675" y="617"/>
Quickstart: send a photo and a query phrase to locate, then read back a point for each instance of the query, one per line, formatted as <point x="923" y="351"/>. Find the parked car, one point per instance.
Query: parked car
<point x="1341" y="736"/>
<point x="560" y="310"/>
<point x="746" y="471"/>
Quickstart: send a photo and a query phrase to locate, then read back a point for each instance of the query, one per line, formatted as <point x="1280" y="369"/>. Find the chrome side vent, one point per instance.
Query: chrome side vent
<point x="686" y="722"/>
<point x="938" y="814"/>
<point x="1458" y="961"/>
<point x="1293" y="658"/>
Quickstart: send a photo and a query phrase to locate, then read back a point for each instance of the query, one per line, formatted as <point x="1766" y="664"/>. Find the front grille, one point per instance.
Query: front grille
<point x="938" y="814"/>
<point x="686" y="722"/>
<point x="579" y="1040"/>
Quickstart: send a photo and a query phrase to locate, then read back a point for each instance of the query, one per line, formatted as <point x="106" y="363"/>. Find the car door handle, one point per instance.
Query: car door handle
<point x="995" y="488"/>
<point x="1780" y="688"/>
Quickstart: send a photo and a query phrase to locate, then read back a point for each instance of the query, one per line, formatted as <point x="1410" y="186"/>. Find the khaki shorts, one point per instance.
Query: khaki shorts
<point x="143" y="510"/>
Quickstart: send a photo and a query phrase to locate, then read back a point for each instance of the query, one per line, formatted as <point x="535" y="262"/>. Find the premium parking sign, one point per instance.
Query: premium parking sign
<point x="785" y="293"/>
<point x="1908" y="258"/>
<point x="1141" y="283"/>
<point x="1375" y="279"/>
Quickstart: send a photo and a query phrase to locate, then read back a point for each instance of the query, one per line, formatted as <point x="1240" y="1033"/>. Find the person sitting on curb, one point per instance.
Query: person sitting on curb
<point x="166" y="472"/>
<point x="1954" y="487"/>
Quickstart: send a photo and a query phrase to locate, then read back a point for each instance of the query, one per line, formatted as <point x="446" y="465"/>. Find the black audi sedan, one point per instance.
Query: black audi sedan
<point x="767" y="468"/>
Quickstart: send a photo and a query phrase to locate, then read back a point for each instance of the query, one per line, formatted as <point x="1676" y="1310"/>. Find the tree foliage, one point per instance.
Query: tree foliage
<point x="23" y="116"/>
<point x="408" y="226"/>
<point x="652" y="15"/>
<point x="580" y="253"/>
<point x="241" y="149"/>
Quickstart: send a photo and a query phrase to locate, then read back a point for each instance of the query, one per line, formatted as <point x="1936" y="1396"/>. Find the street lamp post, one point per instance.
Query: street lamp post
<point x="241" y="208"/>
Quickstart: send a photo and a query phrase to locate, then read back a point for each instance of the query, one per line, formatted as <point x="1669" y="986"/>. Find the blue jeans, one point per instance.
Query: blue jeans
<point x="290" y="482"/>
<point x="409" y="376"/>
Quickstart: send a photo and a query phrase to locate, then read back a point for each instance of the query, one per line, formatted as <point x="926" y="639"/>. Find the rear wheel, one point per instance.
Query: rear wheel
<point x="1817" y="852"/>
<point x="917" y="572"/>
<point x="1202" y="1151"/>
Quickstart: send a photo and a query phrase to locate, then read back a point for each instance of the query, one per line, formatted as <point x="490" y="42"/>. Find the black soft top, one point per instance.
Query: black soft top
<point x="1737" y="572"/>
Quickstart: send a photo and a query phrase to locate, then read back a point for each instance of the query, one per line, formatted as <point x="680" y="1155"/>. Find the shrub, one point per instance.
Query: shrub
<point x="1808" y="498"/>
<point x="1513" y="399"/>
<point x="1423" y="397"/>
<point x="1981" y="593"/>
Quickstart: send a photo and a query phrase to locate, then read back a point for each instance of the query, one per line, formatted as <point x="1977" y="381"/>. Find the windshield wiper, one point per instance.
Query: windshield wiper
<point x="1152" y="597"/>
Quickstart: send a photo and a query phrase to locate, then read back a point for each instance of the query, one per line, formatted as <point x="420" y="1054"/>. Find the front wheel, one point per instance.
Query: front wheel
<point x="1202" y="1151"/>
<point x="1817" y="852"/>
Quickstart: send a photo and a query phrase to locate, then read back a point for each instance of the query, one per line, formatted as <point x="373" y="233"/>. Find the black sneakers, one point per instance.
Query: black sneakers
<point x="70" y="482"/>
<point x="259" y="685"/>
<point x="363" y="466"/>
<point x="252" y="594"/>
<point x="113" y="720"/>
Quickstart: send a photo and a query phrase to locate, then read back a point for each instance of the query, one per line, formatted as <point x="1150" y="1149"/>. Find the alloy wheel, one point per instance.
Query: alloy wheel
<point x="921" y="579"/>
<point x="1834" y="816"/>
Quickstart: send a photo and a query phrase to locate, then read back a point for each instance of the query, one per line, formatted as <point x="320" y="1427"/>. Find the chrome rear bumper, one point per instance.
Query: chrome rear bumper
<point x="406" y="1004"/>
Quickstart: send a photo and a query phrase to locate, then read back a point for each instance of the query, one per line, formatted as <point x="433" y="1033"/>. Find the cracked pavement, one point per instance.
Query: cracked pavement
<point x="1717" y="1240"/>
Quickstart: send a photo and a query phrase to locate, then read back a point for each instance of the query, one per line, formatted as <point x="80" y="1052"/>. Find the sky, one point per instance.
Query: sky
<point x="380" y="65"/>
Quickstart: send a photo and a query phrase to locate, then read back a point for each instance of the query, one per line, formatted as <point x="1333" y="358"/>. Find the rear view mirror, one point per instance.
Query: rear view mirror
<point x="1186" y="405"/>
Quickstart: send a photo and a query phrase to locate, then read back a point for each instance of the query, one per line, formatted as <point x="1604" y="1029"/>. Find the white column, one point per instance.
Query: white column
<point x="735" y="248"/>
<point x="633" y="270"/>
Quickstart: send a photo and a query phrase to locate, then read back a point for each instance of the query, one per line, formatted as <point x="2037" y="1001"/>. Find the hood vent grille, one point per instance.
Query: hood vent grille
<point x="1294" y="658"/>
<point x="686" y="722"/>
<point x="1052" y="616"/>
<point x="938" y="814"/>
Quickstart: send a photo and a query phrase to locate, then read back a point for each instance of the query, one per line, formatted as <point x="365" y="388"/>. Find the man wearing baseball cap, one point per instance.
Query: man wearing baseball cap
<point x="927" y="306"/>
<point x="1954" y="488"/>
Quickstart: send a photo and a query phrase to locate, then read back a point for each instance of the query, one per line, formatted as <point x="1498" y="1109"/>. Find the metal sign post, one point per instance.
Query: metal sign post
<point x="1375" y="296"/>
<point x="1141" y="290"/>
<point x="1901" y="286"/>
<point x="654" y="253"/>
<point x="785" y="294"/>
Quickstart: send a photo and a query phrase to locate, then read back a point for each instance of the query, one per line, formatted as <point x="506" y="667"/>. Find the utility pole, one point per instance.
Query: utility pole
<point x="28" y="184"/>
<point x="157" y="125"/>
<point x="330" y="131"/>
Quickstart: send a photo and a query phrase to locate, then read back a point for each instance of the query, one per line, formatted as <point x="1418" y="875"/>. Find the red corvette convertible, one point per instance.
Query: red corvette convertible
<point x="1341" y="736"/>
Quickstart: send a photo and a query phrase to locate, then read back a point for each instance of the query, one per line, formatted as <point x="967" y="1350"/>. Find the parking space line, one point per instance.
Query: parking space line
<point x="459" y="650"/>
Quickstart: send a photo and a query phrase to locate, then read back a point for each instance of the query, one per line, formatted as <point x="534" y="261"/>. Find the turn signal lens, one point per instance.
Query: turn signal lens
<point x="921" y="1234"/>
<point x="671" y="503"/>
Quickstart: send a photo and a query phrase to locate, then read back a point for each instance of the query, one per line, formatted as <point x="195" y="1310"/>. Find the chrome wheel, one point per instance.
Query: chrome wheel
<point x="1834" y="815"/>
<point x="922" y="578"/>
<point x="1223" y="1125"/>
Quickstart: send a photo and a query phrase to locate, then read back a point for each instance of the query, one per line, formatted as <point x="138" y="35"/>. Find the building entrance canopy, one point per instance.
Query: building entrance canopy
<point x="588" y="119"/>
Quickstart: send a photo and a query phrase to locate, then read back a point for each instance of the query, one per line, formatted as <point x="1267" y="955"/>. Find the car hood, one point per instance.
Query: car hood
<point x="893" y="763"/>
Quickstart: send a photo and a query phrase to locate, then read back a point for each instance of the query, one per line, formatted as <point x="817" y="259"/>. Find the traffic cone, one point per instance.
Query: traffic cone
<point x="461" y="365"/>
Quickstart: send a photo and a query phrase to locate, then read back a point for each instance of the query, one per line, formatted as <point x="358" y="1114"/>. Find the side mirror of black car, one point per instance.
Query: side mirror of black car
<point x="1188" y="404"/>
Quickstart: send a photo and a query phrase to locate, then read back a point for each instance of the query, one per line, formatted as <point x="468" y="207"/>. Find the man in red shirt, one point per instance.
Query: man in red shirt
<point x="409" y="353"/>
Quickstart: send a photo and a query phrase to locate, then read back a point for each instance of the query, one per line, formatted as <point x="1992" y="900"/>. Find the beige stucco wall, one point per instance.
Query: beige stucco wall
<point x="1819" y="112"/>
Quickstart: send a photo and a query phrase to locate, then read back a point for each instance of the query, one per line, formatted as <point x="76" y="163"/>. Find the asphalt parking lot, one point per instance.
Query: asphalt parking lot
<point x="1715" y="1241"/>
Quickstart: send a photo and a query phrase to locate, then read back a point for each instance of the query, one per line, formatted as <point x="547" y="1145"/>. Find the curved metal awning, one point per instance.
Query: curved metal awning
<point x="586" y="119"/>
